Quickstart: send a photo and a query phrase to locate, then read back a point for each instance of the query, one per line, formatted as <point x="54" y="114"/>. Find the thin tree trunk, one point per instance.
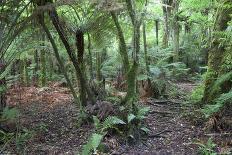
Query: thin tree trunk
<point x="176" y="30"/>
<point x="166" y="25"/>
<point x="83" y="83"/>
<point x="157" y="32"/>
<point x="43" y="66"/>
<point x="36" y="61"/>
<point x="61" y="65"/>
<point x="2" y="87"/>
<point x="90" y="57"/>
<point x="98" y="66"/>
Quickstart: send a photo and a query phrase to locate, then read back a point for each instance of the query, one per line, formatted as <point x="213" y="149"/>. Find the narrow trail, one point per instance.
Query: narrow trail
<point x="171" y="132"/>
<point x="53" y="116"/>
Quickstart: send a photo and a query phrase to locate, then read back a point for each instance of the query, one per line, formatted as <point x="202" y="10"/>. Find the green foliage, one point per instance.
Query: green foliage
<point x="217" y="84"/>
<point x="208" y="148"/>
<point x="5" y="137"/>
<point x="92" y="144"/>
<point x="10" y="114"/>
<point x="208" y="110"/>
<point x="197" y="94"/>
<point x="22" y="138"/>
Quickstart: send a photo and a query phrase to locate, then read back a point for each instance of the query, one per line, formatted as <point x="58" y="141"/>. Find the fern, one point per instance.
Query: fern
<point x="220" y="81"/>
<point x="10" y="114"/>
<point x="208" y="110"/>
<point x="110" y="122"/>
<point x="92" y="144"/>
<point x="142" y="112"/>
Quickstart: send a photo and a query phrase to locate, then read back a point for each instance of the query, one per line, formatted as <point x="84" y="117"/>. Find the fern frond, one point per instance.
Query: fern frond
<point x="208" y="110"/>
<point x="92" y="144"/>
<point x="110" y="122"/>
<point x="221" y="80"/>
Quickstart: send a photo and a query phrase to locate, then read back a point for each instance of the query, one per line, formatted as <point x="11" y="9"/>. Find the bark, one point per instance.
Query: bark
<point x="157" y="32"/>
<point x="98" y="66"/>
<point x="43" y="66"/>
<point x="36" y="61"/>
<point x="217" y="56"/>
<point x="90" y="57"/>
<point x="80" y="60"/>
<point x="166" y="25"/>
<point x="145" y="48"/>
<point x="2" y="87"/>
<point x="176" y="44"/>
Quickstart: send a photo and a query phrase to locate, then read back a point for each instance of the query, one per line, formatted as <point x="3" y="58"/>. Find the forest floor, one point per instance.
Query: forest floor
<point x="50" y="115"/>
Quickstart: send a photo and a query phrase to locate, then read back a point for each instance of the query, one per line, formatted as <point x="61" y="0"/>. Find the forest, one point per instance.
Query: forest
<point x="115" y="77"/>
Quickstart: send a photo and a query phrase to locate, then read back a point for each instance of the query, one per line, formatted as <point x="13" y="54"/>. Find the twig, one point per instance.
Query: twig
<point x="159" y="134"/>
<point x="162" y="112"/>
<point x="218" y="134"/>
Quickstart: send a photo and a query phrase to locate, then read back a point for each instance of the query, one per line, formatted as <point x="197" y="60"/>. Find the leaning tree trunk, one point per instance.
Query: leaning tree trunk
<point x="217" y="64"/>
<point x="83" y="82"/>
<point x="60" y="62"/>
<point x="2" y="87"/>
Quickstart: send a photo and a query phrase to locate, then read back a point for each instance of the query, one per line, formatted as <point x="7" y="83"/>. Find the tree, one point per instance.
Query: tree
<point x="218" y="54"/>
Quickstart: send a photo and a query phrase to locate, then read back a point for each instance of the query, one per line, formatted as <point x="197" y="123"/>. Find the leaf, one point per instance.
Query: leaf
<point x="130" y="117"/>
<point x="10" y="114"/>
<point x="111" y="121"/>
<point x="92" y="144"/>
<point x="96" y="140"/>
<point x="96" y="121"/>
<point x="142" y="112"/>
<point x="146" y="130"/>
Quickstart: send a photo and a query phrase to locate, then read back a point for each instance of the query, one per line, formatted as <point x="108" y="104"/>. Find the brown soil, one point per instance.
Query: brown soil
<point x="51" y="113"/>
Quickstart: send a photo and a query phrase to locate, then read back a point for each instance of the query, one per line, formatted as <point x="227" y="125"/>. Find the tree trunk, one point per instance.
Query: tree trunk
<point x="176" y="36"/>
<point x="36" y="62"/>
<point x="166" y="25"/>
<point x="83" y="82"/>
<point x="43" y="66"/>
<point x="217" y="56"/>
<point x="90" y="57"/>
<point x="157" y="32"/>
<point x="2" y="87"/>
<point x="60" y="62"/>
<point x="98" y="66"/>
<point x="145" y="49"/>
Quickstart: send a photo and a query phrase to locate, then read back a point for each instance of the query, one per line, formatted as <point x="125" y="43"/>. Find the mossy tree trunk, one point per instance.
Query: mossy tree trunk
<point x="157" y="32"/>
<point x="90" y="57"/>
<point x="131" y="70"/>
<point x="2" y="87"/>
<point x="218" y="55"/>
<point x="166" y="27"/>
<point x="43" y="66"/>
<point x="176" y="27"/>
<point x="145" y="48"/>
<point x="60" y="62"/>
<point x="81" y="77"/>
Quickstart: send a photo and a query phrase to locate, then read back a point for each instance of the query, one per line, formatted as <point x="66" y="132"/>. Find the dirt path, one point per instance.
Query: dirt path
<point x="51" y="113"/>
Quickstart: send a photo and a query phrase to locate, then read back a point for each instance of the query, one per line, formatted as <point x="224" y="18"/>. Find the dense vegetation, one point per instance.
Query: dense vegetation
<point x="115" y="57"/>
